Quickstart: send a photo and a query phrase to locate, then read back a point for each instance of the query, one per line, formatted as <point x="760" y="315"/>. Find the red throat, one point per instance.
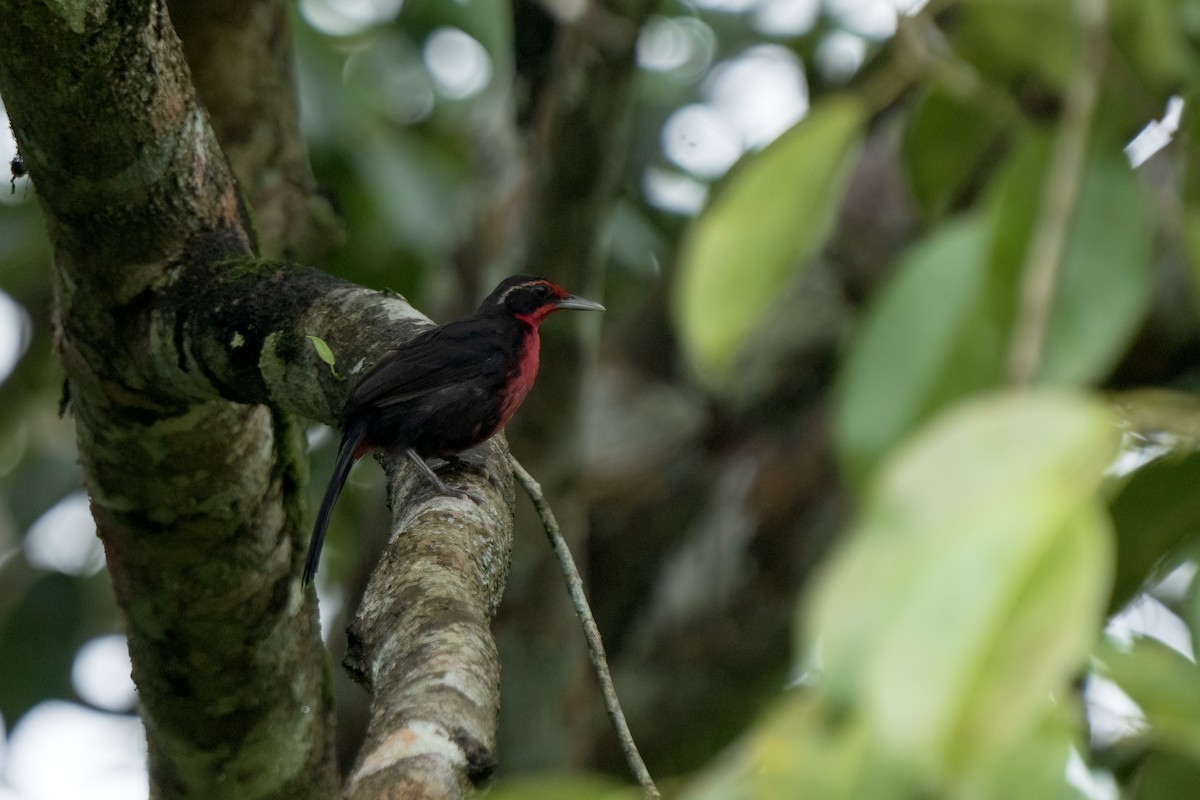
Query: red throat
<point x="535" y="318"/>
<point x="527" y="369"/>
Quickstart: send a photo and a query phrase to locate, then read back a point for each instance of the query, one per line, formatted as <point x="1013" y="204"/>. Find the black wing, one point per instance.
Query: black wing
<point x="451" y="354"/>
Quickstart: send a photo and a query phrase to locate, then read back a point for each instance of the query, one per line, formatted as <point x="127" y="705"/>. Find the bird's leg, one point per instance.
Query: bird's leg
<point x="437" y="482"/>
<point x="476" y="465"/>
<point x="462" y="462"/>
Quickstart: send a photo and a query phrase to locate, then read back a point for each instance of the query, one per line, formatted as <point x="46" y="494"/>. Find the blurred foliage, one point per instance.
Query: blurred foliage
<point x="555" y="787"/>
<point x="1003" y="597"/>
<point x="943" y="645"/>
<point x="942" y="649"/>
<point x="775" y="212"/>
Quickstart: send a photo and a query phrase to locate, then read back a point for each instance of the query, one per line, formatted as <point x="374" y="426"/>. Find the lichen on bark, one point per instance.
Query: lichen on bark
<point x="186" y="358"/>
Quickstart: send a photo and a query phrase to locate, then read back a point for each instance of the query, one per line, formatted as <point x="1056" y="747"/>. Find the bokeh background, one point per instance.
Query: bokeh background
<point x="728" y="435"/>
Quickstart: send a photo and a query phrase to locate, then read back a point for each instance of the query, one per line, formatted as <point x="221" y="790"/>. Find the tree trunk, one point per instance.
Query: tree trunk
<point x="185" y="361"/>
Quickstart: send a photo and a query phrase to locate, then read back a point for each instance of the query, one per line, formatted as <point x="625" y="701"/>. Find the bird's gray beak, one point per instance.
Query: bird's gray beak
<point x="579" y="304"/>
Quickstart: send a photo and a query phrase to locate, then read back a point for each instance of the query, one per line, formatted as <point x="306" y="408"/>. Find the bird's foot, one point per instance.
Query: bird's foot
<point x="476" y="465"/>
<point x="438" y="483"/>
<point x="444" y="488"/>
<point x="457" y="462"/>
<point x="464" y="495"/>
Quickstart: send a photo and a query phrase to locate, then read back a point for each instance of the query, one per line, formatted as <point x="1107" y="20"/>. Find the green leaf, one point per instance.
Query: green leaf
<point x="975" y="583"/>
<point x="771" y="216"/>
<point x="942" y="328"/>
<point x="1010" y="40"/>
<point x="1157" y="511"/>
<point x="925" y="342"/>
<point x="1105" y="278"/>
<point x="1035" y="767"/>
<point x="1164" y="683"/>
<point x="1166" y="776"/>
<point x="942" y="148"/>
<point x="1014" y="205"/>
<point x="556" y="787"/>
<point x="1148" y="34"/>
<point x="799" y="751"/>
<point x="324" y="353"/>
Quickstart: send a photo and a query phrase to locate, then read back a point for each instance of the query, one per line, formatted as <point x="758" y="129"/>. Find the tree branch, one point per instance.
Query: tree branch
<point x="197" y="502"/>
<point x="421" y="641"/>
<point x="163" y="318"/>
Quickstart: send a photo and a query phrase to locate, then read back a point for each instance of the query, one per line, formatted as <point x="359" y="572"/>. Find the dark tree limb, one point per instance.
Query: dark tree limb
<point x="577" y="124"/>
<point x="577" y="138"/>
<point x="574" y="157"/>
<point x="241" y="60"/>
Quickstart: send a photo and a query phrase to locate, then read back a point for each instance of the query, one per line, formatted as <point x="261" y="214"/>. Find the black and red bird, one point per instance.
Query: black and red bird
<point x="447" y="390"/>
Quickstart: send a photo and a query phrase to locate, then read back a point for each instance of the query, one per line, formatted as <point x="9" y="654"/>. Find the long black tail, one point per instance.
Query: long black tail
<point x="347" y="453"/>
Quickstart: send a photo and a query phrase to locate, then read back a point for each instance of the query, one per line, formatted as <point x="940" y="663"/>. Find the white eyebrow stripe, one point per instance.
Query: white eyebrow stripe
<point x="511" y="289"/>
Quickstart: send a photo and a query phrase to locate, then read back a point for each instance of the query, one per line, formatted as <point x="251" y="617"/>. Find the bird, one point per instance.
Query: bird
<point x="446" y="390"/>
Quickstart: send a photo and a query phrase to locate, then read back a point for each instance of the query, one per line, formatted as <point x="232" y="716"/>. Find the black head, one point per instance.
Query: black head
<point x="531" y="299"/>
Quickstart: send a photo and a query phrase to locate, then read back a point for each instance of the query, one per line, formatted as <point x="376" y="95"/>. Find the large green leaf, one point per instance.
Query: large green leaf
<point x="925" y="341"/>
<point x="801" y="750"/>
<point x="943" y="147"/>
<point x="1034" y="767"/>
<point x="975" y="583"/>
<point x="772" y="215"/>
<point x="1164" y="683"/>
<point x="1012" y="40"/>
<point x="1105" y="278"/>
<point x="1166" y="776"/>
<point x="555" y="787"/>
<point x="943" y="327"/>
<point x="1156" y="512"/>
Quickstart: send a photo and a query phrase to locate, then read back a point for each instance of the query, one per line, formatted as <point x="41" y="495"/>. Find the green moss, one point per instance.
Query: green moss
<point x="73" y="11"/>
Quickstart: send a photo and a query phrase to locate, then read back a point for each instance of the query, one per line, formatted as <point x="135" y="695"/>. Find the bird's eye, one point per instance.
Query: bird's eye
<point x="541" y="290"/>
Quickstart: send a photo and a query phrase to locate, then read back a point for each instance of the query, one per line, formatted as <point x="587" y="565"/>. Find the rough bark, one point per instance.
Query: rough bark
<point x="200" y="537"/>
<point x="421" y="643"/>
<point x="185" y="359"/>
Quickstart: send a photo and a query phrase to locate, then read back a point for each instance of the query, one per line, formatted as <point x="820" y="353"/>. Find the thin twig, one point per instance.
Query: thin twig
<point x="590" y="632"/>
<point x="1049" y="239"/>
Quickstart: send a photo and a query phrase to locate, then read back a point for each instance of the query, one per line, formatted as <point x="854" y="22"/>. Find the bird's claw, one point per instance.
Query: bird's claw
<point x="456" y="462"/>
<point x="437" y="483"/>
<point x="445" y="490"/>
<point x="474" y="498"/>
